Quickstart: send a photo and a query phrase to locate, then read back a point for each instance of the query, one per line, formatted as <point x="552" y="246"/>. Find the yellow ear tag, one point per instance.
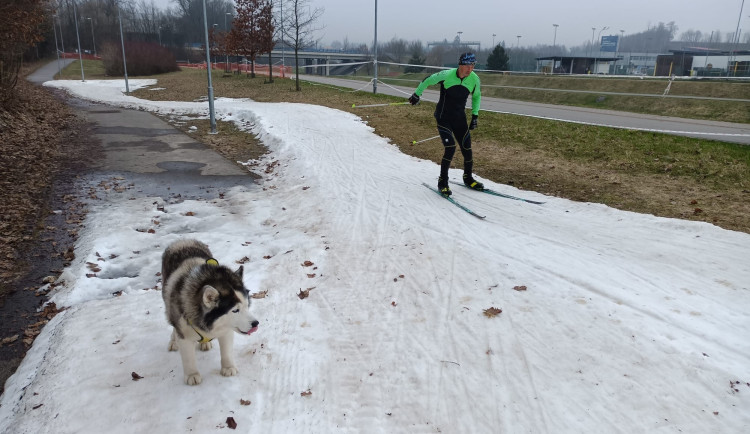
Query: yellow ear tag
<point x="212" y="261"/>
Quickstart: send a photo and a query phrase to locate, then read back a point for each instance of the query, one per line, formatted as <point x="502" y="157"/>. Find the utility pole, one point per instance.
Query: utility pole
<point x="80" y="56"/>
<point x="122" y="42"/>
<point x="375" y="59"/>
<point x="57" y="50"/>
<point x="93" y="40"/>
<point x="211" y="114"/>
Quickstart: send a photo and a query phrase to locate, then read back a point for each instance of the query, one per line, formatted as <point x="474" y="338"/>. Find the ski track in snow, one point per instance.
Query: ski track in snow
<point x="630" y="322"/>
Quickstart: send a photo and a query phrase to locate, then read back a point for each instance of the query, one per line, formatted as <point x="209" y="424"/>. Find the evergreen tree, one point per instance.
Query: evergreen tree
<point x="498" y="59"/>
<point x="415" y="60"/>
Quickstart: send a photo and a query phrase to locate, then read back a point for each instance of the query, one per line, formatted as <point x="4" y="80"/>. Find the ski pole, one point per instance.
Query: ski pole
<point x="380" y="105"/>
<point x="414" y="142"/>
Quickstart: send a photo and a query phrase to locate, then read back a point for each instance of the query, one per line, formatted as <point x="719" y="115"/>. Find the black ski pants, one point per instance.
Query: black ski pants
<point x="448" y="128"/>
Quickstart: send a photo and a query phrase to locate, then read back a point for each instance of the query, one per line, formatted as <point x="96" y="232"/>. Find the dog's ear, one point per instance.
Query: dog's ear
<point x="239" y="271"/>
<point x="210" y="297"/>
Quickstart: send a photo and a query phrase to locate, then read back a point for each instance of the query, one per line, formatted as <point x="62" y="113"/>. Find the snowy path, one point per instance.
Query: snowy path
<point x="630" y="323"/>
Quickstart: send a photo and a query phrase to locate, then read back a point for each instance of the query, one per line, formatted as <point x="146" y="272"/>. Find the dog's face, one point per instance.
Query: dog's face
<point x="229" y="308"/>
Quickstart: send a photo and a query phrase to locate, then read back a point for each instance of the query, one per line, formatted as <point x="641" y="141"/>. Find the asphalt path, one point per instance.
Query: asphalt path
<point x="702" y="129"/>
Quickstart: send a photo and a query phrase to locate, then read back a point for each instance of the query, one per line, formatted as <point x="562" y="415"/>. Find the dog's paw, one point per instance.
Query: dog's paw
<point x="193" y="379"/>
<point x="205" y="346"/>
<point x="172" y="346"/>
<point x="229" y="371"/>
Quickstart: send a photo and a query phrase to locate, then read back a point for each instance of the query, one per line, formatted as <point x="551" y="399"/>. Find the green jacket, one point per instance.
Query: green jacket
<point x="454" y="92"/>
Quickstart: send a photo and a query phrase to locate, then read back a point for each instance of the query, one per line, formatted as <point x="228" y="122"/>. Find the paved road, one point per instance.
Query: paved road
<point x="142" y="148"/>
<point x="723" y="131"/>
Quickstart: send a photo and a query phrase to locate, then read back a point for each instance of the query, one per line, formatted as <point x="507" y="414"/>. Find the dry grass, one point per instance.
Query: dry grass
<point x="652" y="173"/>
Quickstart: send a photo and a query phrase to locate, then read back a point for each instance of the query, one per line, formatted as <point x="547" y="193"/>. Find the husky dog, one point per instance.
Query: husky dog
<point x="203" y="300"/>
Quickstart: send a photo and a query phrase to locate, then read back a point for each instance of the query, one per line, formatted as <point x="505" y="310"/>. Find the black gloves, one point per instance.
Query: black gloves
<point x="414" y="99"/>
<point x="473" y="123"/>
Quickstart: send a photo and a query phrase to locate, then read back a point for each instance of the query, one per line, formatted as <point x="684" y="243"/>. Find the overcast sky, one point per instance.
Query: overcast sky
<point x="435" y="20"/>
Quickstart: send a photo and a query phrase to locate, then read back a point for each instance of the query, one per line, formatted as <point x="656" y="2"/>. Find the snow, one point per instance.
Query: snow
<point x="629" y="323"/>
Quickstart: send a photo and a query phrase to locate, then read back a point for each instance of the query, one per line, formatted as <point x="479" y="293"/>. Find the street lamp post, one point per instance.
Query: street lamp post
<point x="78" y="37"/>
<point x="375" y="54"/>
<point x="57" y="50"/>
<point x="617" y="54"/>
<point x="211" y="114"/>
<point x="736" y="41"/>
<point x="554" y="39"/>
<point x="122" y="43"/>
<point x="493" y="41"/>
<point x="598" y="38"/>
<point x="554" y="43"/>
<point x="518" y="45"/>
<point x="93" y="40"/>
<point x="226" y="33"/>
<point x="215" y="27"/>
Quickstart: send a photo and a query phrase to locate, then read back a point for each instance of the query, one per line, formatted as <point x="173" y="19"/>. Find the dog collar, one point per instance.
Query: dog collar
<point x="203" y="339"/>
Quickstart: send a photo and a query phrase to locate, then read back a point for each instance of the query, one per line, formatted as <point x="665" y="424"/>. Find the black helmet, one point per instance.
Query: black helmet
<point x="467" y="59"/>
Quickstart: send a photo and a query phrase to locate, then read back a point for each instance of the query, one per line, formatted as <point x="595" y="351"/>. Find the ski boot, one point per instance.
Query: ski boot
<point x="472" y="183"/>
<point x="443" y="187"/>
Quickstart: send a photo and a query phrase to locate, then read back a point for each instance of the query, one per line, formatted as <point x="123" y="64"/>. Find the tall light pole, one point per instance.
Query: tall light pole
<point x="593" y="29"/>
<point x="518" y="45"/>
<point x="554" y="42"/>
<point x="211" y="114"/>
<point x="226" y="33"/>
<point x="282" y="36"/>
<point x="57" y="50"/>
<point x="375" y="58"/>
<point x="736" y="37"/>
<point x="598" y="38"/>
<point x="122" y="42"/>
<point x="80" y="56"/>
<point x="554" y="39"/>
<point x="93" y="40"/>
<point x="493" y="41"/>
<point x="617" y="53"/>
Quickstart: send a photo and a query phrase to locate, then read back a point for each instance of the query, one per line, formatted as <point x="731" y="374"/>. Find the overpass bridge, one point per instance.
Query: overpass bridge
<point x="332" y="62"/>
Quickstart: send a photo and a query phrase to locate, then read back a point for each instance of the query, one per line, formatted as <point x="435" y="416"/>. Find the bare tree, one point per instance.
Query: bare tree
<point x="250" y="33"/>
<point x="300" y="27"/>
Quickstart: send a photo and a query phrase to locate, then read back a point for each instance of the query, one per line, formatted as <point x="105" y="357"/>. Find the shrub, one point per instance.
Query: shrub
<point x="143" y="58"/>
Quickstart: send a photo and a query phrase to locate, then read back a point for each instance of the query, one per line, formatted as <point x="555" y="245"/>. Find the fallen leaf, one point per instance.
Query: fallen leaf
<point x="135" y="376"/>
<point x="303" y="294"/>
<point x="492" y="312"/>
<point x="520" y="288"/>
<point x="307" y="264"/>
<point x="231" y="423"/>
<point x="261" y="294"/>
<point x="311" y="275"/>
<point x="306" y="393"/>
<point x="243" y="402"/>
<point x="393" y="303"/>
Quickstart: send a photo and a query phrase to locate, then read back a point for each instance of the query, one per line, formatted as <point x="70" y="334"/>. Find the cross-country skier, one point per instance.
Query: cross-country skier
<point x="455" y="87"/>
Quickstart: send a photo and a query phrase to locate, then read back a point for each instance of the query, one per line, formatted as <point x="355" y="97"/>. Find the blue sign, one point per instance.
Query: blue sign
<point x="609" y="43"/>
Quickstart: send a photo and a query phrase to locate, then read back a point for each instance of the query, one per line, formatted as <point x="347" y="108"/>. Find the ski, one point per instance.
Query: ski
<point x="497" y="193"/>
<point x="451" y="200"/>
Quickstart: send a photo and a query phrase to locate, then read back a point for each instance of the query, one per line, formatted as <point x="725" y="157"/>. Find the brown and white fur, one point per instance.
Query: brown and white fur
<point x="203" y="301"/>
